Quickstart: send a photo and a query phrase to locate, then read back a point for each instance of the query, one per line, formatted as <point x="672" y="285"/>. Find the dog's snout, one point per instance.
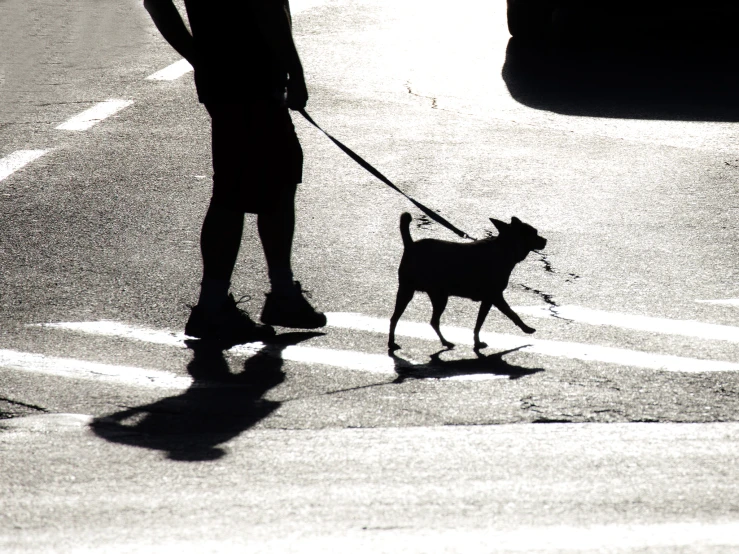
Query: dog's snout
<point x="542" y="243"/>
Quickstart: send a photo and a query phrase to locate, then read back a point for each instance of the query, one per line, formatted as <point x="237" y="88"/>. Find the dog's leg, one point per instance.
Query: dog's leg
<point x="438" y="301"/>
<point x="405" y="295"/>
<point x="485" y="306"/>
<point x="500" y="303"/>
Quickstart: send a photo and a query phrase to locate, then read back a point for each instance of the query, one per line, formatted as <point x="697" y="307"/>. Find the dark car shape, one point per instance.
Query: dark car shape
<point x="534" y="19"/>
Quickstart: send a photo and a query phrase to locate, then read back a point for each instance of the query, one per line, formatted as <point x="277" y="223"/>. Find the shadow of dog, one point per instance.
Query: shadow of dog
<point x="491" y="364"/>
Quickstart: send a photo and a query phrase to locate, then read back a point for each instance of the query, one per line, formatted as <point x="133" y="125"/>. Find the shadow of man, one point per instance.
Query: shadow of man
<point x="218" y="406"/>
<point x="491" y="364"/>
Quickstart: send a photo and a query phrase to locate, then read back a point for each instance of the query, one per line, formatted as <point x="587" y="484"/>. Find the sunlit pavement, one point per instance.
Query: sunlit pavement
<point x="564" y="488"/>
<point x="120" y="436"/>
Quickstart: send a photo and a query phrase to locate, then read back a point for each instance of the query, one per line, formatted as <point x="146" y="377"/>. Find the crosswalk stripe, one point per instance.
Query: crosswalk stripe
<point x="68" y="367"/>
<point x="171" y="72"/>
<point x="116" y="329"/>
<point x="560" y="349"/>
<point x="723" y="302"/>
<point x="383" y="364"/>
<point x="346" y="359"/>
<point x="684" y="327"/>
<point x="18" y="159"/>
<point x="102" y="110"/>
<point x="681" y="536"/>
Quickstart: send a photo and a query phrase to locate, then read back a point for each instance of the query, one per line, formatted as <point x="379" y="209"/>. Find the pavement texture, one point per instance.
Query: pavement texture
<point x="559" y="488"/>
<point x="624" y="158"/>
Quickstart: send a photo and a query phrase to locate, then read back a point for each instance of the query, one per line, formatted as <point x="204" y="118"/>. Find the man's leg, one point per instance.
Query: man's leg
<point x="276" y="230"/>
<point x="285" y="306"/>
<point x="220" y="240"/>
<point x="217" y="316"/>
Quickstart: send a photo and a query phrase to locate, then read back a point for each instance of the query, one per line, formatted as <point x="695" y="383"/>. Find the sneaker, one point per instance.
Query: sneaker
<point x="229" y="324"/>
<point x="291" y="309"/>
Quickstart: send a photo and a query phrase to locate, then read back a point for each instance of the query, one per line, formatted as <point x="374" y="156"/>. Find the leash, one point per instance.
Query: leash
<point x="366" y="165"/>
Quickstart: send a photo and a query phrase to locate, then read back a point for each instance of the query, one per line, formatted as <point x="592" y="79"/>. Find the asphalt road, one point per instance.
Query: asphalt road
<point x="624" y="158"/>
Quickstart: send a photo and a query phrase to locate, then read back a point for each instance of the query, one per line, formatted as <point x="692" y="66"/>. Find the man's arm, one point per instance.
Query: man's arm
<point x="275" y="24"/>
<point x="169" y="22"/>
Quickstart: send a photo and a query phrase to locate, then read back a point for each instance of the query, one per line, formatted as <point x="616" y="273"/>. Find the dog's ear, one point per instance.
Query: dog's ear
<point x="501" y="226"/>
<point x="515" y="220"/>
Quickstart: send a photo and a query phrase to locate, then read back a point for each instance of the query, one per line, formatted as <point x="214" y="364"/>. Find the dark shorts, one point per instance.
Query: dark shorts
<point x="257" y="158"/>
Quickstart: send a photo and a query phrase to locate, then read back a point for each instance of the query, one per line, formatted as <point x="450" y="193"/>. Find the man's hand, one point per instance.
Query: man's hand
<point x="297" y="92"/>
<point x="274" y="22"/>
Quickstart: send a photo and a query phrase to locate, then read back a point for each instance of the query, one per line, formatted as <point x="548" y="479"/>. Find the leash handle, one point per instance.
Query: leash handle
<point x="366" y="165"/>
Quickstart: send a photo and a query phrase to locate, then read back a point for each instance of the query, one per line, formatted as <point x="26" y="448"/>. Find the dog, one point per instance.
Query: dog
<point x="479" y="270"/>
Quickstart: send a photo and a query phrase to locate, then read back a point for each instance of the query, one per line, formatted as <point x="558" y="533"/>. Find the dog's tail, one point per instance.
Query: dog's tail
<point x="405" y="231"/>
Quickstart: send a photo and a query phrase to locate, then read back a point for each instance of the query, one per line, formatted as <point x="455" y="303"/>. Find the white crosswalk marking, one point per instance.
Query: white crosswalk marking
<point x="18" y="159"/>
<point x="380" y="363"/>
<point x="84" y="120"/>
<point x="120" y="330"/>
<point x="79" y="369"/>
<point x="346" y="359"/>
<point x="685" y="328"/>
<point x="560" y="349"/>
<point x="725" y="302"/>
<point x="171" y="72"/>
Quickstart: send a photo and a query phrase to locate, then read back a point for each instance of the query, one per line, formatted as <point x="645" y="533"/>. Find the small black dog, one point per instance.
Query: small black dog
<point x="478" y="270"/>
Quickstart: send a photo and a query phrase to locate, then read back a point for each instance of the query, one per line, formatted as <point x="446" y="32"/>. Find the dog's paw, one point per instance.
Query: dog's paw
<point x="448" y="344"/>
<point x="528" y="330"/>
<point x="479" y="345"/>
<point x="392" y="347"/>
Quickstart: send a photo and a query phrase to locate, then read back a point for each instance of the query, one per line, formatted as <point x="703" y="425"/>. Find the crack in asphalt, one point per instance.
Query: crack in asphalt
<point x="551" y="420"/>
<point x="24" y="404"/>
<point x="724" y="392"/>
<point x="528" y="404"/>
<point x="434" y="103"/>
<point x="549" y="267"/>
<point x="549" y="298"/>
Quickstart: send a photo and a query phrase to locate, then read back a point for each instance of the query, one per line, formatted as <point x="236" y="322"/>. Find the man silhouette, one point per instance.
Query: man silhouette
<point x="247" y="74"/>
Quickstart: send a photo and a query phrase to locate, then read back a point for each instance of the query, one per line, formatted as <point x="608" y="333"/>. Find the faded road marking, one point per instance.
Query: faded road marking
<point x="171" y="72"/>
<point x="79" y="369"/>
<point x="18" y="159"/>
<point x="559" y="349"/>
<point x="95" y="114"/>
<point x="346" y="359"/>
<point x="725" y="302"/>
<point x="120" y="330"/>
<point x="682" y="327"/>
<point x="680" y="536"/>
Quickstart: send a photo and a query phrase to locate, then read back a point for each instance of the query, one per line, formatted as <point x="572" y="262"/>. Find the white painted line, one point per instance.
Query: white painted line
<point x="119" y="330"/>
<point x="79" y="369"/>
<point x="171" y="72"/>
<point x="380" y="363"/>
<point x="680" y="536"/>
<point x="475" y="377"/>
<point x="346" y="359"/>
<point x="571" y="350"/>
<point x="682" y="327"/>
<point x="18" y="159"/>
<point x="88" y="118"/>
<point x="725" y="302"/>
